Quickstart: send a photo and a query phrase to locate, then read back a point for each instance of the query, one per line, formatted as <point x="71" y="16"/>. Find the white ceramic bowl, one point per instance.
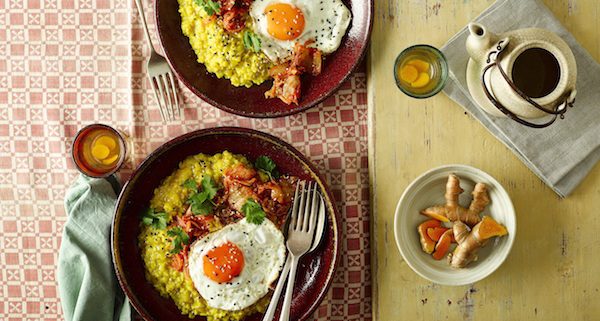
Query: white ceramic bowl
<point x="427" y="190"/>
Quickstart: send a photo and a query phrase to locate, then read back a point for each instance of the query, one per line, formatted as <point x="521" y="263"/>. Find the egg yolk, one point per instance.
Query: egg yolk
<point x="223" y="263"/>
<point x="284" y="21"/>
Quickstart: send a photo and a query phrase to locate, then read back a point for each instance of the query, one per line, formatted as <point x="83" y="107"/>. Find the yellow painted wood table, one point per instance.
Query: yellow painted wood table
<point x="553" y="271"/>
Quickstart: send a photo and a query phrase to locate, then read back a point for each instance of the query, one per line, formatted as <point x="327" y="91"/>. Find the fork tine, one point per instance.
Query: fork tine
<point x="307" y="212"/>
<point x="294" y="207"/>
<point x="161" y="96"/>
<point x="166" y="95"/>
<point x="175" y="97"/>
<point x="315" y="209"/>
<point x="301" y="206"/>
<point x="170" y="95"/>
<point x="162" y="88"/>
<point x="154" y="85"/>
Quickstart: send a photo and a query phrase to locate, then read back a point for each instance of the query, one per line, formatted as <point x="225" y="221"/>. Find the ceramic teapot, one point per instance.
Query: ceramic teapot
<point x="524" y="74"/>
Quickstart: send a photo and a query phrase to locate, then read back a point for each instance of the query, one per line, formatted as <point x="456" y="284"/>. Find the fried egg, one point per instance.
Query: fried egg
<point x="234" y="267"/>
<point x="280" y="24"/>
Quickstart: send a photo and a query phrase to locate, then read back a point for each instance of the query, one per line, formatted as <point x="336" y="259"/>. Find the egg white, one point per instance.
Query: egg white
<point x="325" y="22"/>
<point x="264" y="255"/>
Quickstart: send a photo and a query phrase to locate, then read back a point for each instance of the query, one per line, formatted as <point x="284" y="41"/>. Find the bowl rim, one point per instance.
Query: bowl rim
<point x="458" y="169"/>
<point x="305" y="162"/>
<point x="284" y="112"/>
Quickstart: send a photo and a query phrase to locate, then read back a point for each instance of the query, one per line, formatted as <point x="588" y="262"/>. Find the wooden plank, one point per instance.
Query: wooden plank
<point x="552" y="272"/>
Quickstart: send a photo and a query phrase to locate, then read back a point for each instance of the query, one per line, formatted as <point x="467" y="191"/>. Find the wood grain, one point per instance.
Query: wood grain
<point x="553" y="272"/>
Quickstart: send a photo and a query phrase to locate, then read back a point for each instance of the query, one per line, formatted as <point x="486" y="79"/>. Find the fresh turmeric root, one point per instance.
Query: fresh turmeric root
<point x="427" y="243"/>
<point x="452" y="211"/>
<point x="469" y="241"/>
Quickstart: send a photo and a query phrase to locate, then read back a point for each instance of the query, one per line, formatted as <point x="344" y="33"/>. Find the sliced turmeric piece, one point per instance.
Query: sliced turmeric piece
<point x="443" y="245"/>
<point x="427" y="244"/>
<point x="110" y="160"/>
<point x="409" y="73"/>
<point x="436" y="214"/>
<point x="489" y="228"/>
<point x="436" y="232"/>
<point x="421" y="65"/>
<point x="107" y="141"/>
<point x="421" y="81"/>
<point x="100" y="151"/>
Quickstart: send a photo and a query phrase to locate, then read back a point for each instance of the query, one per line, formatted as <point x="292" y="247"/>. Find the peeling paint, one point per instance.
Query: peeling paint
<point x="563" y="245"/>
<point x="433" y="10"/>
<point x="467" y="304"/>
<point x="387" y="12"/>
<point x="571" y="7"/>
<point x="566" y="269"/>
<point x="436" y="8"/>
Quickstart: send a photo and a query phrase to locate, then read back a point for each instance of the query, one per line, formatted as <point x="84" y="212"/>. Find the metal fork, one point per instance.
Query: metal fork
<point x="319" y="229"/>
<point x="161" y="77"/>
<point x="300" y="235"/>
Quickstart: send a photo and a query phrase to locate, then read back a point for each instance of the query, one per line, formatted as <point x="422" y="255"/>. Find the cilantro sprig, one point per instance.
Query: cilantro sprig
<point x="267" y="166"/>
<point x="201" y="202"/>
<point x="157" y="220"/>
<point x="254" y="212"/>
<point x="251" y="41"/>
<point x="209" y="6"/>
<point x="191" y="184"/>
<point x="179" y="239"/>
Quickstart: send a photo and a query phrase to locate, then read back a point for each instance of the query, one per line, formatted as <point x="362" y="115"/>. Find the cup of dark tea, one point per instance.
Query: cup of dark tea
<point x="99" y="150"/>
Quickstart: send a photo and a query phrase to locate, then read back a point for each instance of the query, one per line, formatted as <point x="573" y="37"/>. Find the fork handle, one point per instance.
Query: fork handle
<point x="289" y="291"/>
<point x="140" y="7"/>
<point x="277" y="292"/>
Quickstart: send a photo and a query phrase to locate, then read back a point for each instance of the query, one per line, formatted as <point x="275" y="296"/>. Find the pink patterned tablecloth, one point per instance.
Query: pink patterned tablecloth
<point x="68" y="63"/>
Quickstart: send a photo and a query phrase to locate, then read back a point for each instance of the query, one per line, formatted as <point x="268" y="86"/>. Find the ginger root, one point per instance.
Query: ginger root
<point x="427" y="243"/>
<point x="469" y="241"/>
<point x="452" y="211"/>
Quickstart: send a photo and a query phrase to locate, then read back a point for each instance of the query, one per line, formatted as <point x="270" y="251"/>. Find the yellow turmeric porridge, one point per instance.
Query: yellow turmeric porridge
<point x="204" y="199"/>
<point x="223" y="53"/>
<point x="250" y="41"/>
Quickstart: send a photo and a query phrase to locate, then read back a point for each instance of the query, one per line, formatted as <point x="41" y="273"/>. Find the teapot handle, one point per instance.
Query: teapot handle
<point x="493" y="61"/>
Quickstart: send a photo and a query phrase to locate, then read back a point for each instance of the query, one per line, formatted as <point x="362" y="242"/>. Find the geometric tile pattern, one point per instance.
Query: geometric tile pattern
<point x="68" y="63"/>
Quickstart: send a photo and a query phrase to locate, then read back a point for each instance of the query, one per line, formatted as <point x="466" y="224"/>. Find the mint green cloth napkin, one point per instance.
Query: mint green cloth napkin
<point x="87" y="283"/>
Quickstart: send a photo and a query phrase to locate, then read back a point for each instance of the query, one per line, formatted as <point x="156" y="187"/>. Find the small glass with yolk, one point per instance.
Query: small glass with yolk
<point x="421" y="71"/>
<point x="99" y="150"/>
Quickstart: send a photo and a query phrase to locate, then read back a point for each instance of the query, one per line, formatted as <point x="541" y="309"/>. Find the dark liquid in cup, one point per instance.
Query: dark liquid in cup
<point x="536" y="72"/>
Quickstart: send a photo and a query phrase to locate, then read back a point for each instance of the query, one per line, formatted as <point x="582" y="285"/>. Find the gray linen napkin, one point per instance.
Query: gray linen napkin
<point x="563" y="153"/>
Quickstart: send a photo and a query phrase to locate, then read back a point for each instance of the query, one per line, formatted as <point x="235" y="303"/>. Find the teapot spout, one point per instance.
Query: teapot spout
<point x="479" y="41"/>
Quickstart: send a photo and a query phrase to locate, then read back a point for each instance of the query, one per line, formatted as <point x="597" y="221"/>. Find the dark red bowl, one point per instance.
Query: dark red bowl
<point x="316" y="269"/>
<point x="251" y="102"/>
